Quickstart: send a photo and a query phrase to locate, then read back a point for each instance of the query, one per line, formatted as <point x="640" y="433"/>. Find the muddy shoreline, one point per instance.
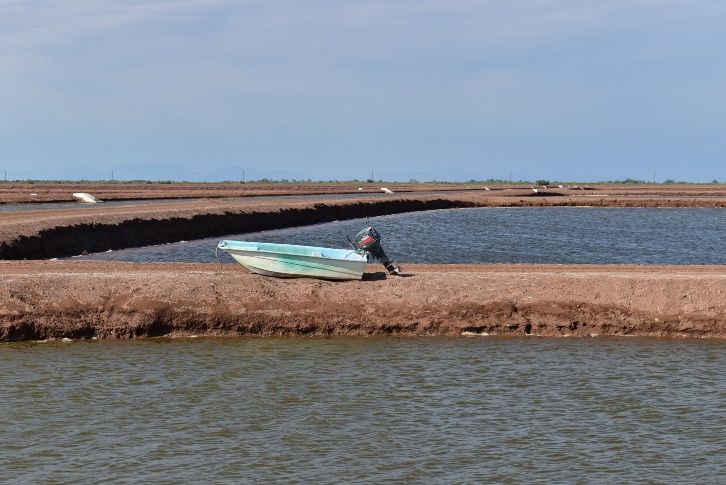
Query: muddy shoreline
<point x="68" y="232"/>
<point x="81" y="300"/>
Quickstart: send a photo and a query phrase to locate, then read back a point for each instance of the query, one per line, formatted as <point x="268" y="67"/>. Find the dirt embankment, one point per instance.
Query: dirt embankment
<point x="30" y="193"/>
<point x="46" y="234"/>
<point x="27" y="193"/>
<point x="66" y="232"/>
<point x="58" y="299"/>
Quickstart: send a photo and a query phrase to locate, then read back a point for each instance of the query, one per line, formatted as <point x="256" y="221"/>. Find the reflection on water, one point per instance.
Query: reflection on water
<point x="503" y="235"/>
<point x="356" y="409"/>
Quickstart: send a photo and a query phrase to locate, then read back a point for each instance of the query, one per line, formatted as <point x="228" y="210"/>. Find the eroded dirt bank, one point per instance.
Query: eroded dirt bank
<point x="66" y="232"/>
<point x="47" y="234"/>
<point x="62" y="299"/>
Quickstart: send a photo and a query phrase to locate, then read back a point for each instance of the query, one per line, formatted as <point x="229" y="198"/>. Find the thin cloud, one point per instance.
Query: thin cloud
<point x="473" y="72"/>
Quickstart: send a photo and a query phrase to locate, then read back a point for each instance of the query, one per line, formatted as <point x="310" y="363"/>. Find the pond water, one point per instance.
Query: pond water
<point x="360" y="410"/>
<point x="501" y="235"/>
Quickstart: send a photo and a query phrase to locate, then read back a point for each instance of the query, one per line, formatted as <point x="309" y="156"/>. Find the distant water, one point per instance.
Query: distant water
<point x="80" y="205"/>
<point x="503" y="235"/>
<point x="354" y="410"/>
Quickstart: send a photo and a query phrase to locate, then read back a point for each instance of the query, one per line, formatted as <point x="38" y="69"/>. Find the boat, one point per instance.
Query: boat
<point x="293" y="261"/>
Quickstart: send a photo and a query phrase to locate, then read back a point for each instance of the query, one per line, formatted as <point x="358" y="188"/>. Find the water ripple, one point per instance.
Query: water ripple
<point x="364" y="410"/>
<point x="502" y="235"/>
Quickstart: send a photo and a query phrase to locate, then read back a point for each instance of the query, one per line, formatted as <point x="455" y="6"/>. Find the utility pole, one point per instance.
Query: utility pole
<point x="6" y="175"/>
<point x="510" y="176"/>
<point x="111" y="175"/>
<point x="654" y="177"/>
<point x="243" y="175"/>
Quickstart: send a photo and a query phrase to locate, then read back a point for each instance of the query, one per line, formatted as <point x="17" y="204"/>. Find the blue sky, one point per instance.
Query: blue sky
<point x="334" y="89"/>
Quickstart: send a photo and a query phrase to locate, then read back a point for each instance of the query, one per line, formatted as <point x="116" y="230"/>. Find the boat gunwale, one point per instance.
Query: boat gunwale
<point x="228" y="248"/>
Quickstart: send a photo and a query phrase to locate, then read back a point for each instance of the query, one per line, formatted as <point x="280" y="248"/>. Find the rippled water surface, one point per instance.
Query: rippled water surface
<point x="503" y="235"/>
<point x="364" y="410"/>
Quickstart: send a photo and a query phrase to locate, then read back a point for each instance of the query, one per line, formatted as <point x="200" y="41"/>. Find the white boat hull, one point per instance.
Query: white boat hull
<point x="323" y="263"/>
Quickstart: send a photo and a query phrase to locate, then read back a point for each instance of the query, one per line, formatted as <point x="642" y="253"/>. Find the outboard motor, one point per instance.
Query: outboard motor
<point x="369" y="240"/>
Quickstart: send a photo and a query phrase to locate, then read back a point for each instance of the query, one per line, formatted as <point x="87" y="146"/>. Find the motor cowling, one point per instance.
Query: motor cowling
<point x="369" y="241"/>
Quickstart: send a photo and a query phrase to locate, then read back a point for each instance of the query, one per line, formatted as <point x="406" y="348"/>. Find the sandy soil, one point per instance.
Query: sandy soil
<point x="50" y="192"/>
<point x="62" y="192"/>
<point x="63" y="299"/>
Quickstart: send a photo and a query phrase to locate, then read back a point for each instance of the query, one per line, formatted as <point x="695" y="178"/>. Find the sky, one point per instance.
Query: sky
<point x="581" y="90"/>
